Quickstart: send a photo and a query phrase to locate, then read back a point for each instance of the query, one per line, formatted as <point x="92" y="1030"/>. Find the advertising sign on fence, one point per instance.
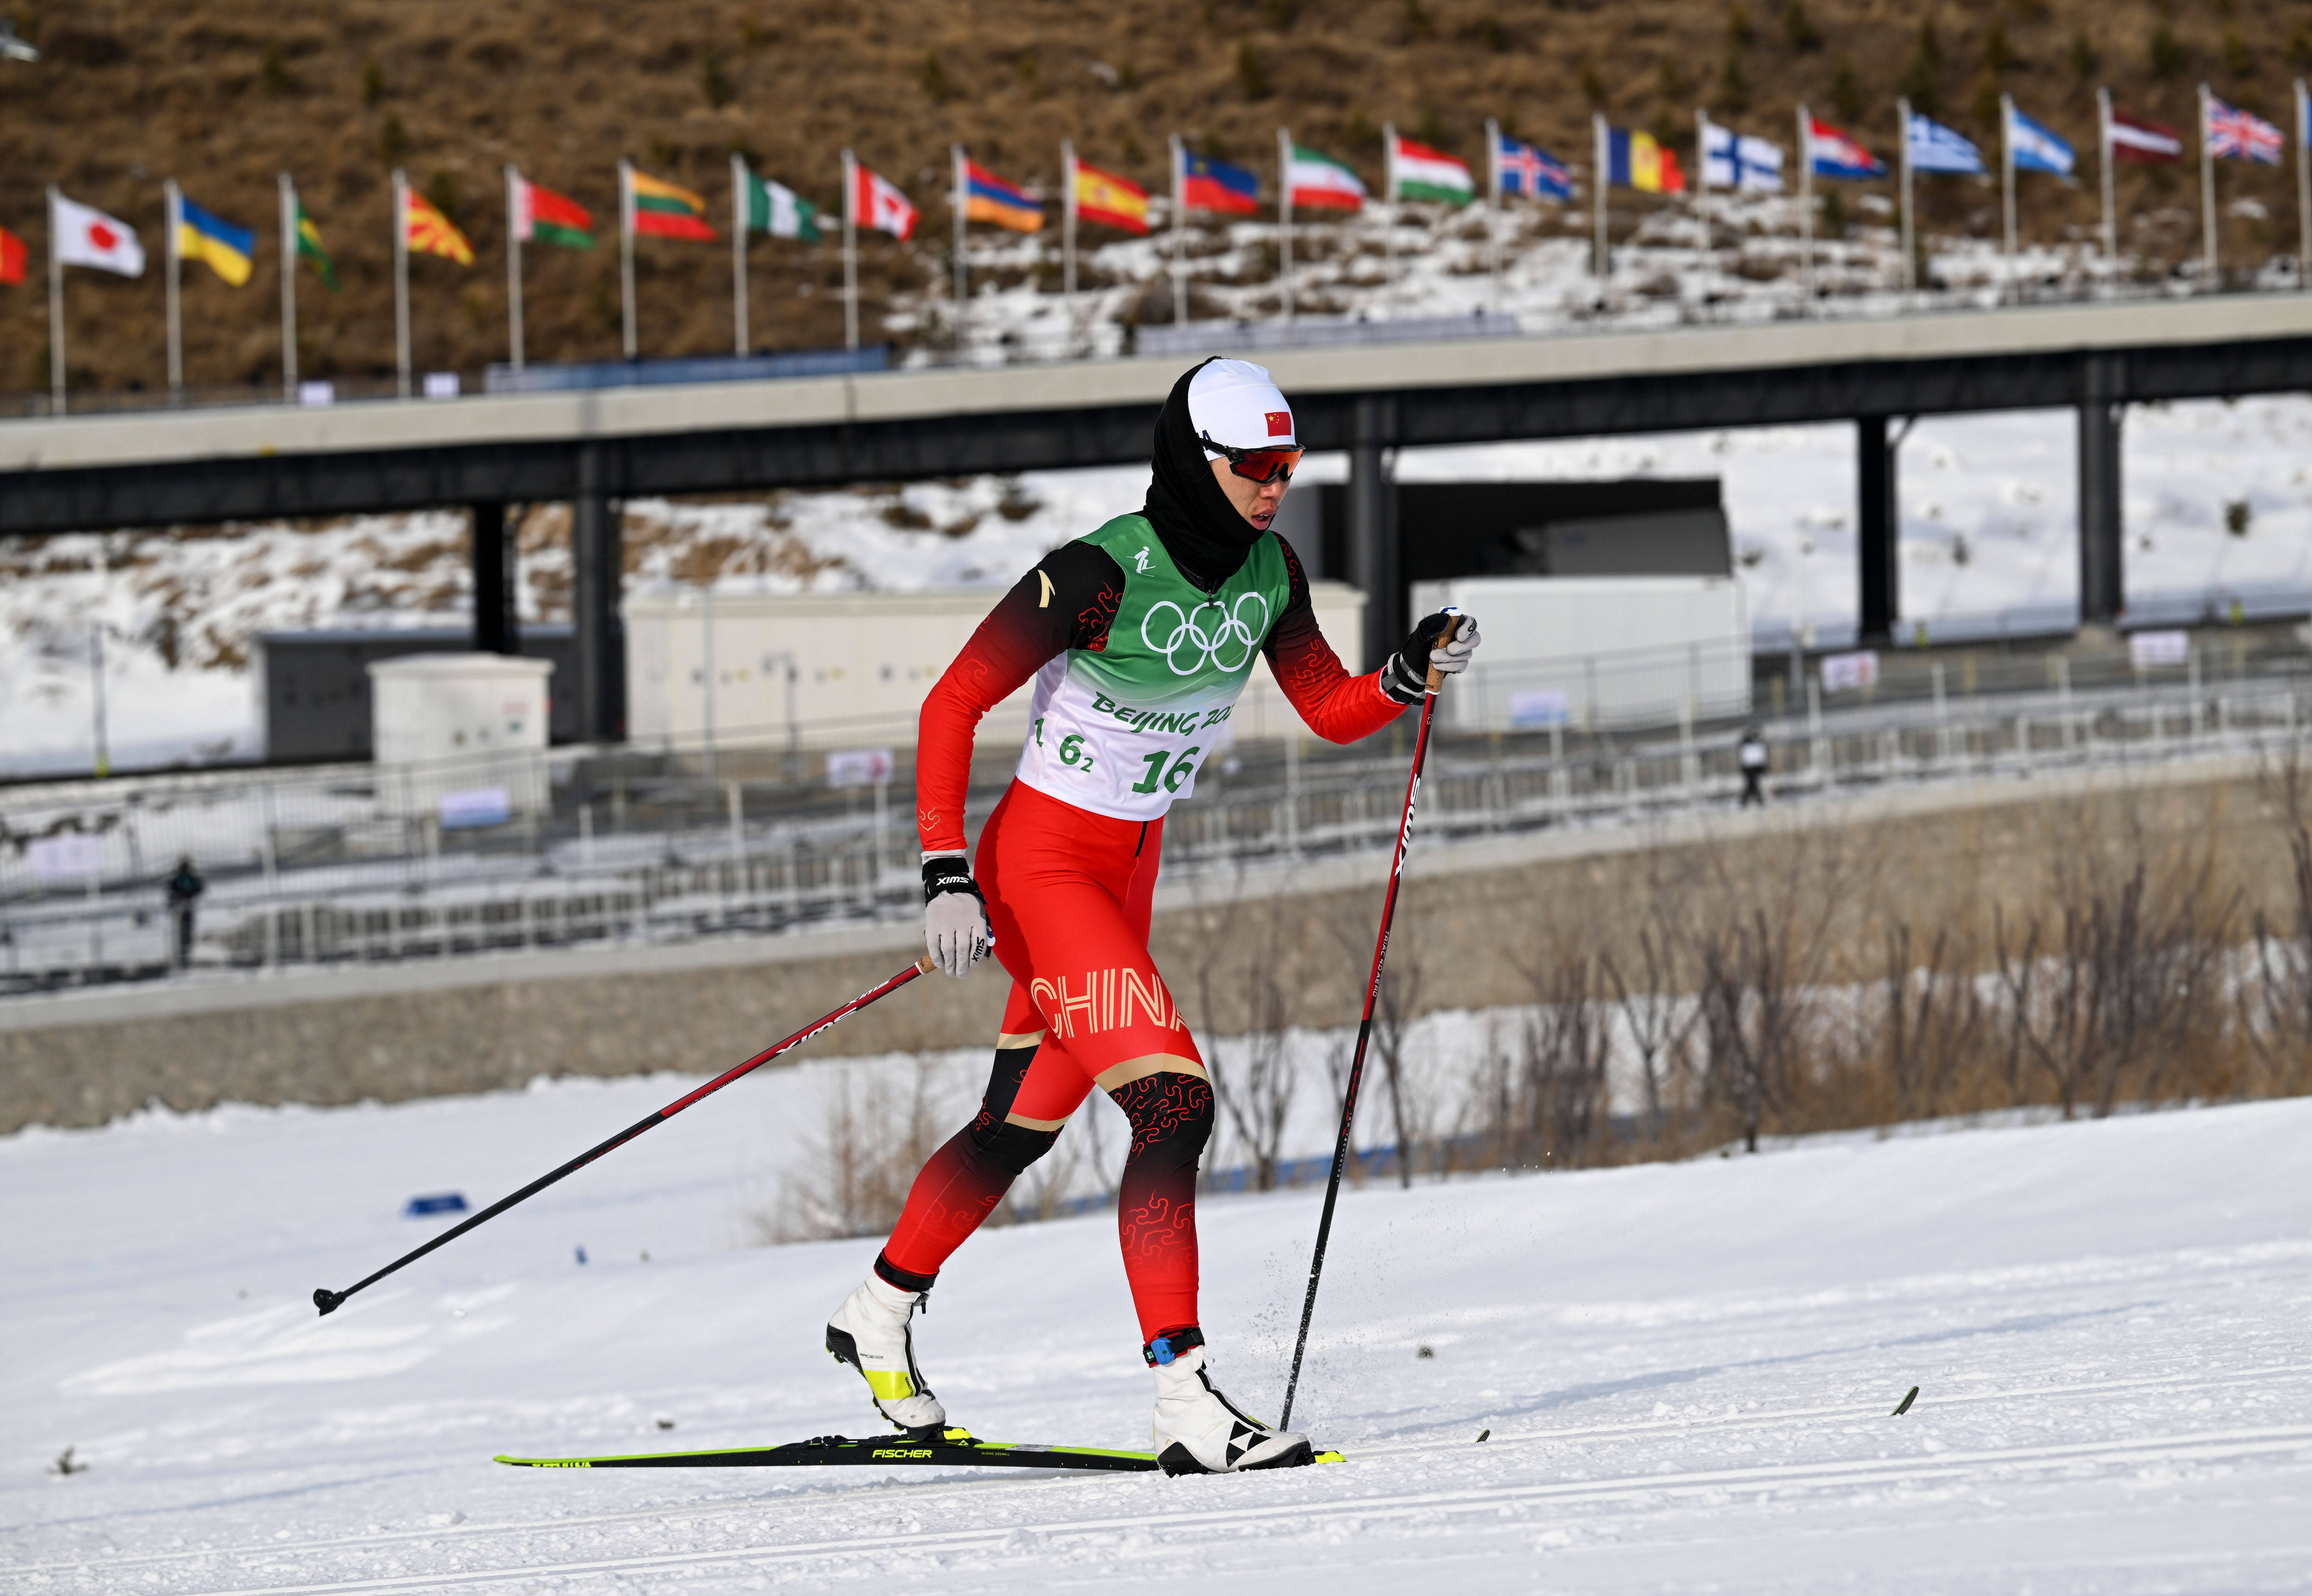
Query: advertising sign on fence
<point x="476" y="806"/>
<point x="1846" y="672"/>
<point x="859" y="767"/>
<point x="1544" y="707"/>
<point x="2148" y="651"/>
<point x="66" y="854"/>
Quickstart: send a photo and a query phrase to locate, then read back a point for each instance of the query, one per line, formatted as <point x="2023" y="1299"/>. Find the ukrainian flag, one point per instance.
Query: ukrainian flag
<point x="227" y="248"/>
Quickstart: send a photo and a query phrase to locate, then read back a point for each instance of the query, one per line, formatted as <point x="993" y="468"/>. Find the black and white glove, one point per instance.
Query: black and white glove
<point x="1406" y="676"/>
<point x="955" y="916"/>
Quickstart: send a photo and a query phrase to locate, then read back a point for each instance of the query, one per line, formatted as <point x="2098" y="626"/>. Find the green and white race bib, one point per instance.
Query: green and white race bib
<point x="1122" y="731"/>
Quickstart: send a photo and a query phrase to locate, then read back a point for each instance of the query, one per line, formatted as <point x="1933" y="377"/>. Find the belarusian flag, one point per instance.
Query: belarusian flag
<point x="663" y="210"/>
<point x="778" y="210"/>
<point x="1315" y="178"/>
<point x="1416" y="171"/>
<point x="548" y="217"/>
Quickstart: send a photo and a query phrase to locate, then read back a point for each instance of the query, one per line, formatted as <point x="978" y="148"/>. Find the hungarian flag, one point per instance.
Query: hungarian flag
<point x="1315" y="180"/>
<point x="1210" y="185"/>
<point x="12" y="257"/>
<point x="876" y="202"/>
<point x="665" y="210"/>
<point x="83" y="235"/>
<point x="2134" y="139"/>
<point x="548" y="217"/>
<point x="428" y="232"/>
<point x="1416" y="171"/>
<point x="1109" y="200"/>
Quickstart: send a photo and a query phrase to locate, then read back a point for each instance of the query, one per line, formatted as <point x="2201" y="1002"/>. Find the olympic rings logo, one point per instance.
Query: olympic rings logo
<point x="1189" y="635"/>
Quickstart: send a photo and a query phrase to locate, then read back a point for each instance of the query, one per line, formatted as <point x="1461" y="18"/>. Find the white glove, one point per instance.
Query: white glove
<point x="1406" y="676"/>
<point x="1451" y="659"/>
<point x="955" y="916"/>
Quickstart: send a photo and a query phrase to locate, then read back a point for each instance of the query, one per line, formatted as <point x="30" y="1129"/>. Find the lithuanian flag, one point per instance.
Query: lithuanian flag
<point x="661" y="209"/>
<point x="430" y="232"/>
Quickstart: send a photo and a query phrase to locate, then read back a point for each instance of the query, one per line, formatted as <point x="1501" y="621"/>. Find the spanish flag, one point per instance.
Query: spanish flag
<point x="1110" y="201"/>
<point x="227" y="248"/>
<point x="430" y="232"/>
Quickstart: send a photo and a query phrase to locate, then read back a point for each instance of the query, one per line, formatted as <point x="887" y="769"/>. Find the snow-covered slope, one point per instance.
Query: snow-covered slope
<point x="1687" y="1370"/>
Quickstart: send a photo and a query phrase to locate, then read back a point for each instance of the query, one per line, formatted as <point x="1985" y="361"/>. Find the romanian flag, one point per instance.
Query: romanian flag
<point x="228" y="249"/>
<point x="663" y="210"/>
<point x="987" y="197"/>
<point x="1636" y="161"/>
<point x="1210" y="185"/>
<point x="430" y="232"/>
<point x="1110" y="201"/>
<point x="550" y="218"/>
<point x="12" y="257"/>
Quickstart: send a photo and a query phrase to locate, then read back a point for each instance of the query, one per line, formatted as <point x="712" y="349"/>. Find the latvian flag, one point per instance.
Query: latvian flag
<point x="1416" y="171"/>
<point x="1528" y="168"/>
<point x="1315" y="180"/>
<point x="543" y="216"/>
<point x="661" y="209"/>
<point x="2134" y="139"/>
<point x="876" y="202"/>
<point x="2241" y="135"/>
<point x="1210" y="185"/>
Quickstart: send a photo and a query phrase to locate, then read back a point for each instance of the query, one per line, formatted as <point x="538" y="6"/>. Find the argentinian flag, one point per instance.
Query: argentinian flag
<point x="1937" y="148"/>
<point x="2035" y="148"/>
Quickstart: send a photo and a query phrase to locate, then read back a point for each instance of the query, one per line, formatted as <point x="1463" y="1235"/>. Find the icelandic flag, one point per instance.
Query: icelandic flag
<point x="1528" y="168"/>
<point x="2240" y="135"/>
<point x="1739" y="161"/>
<point x="1210" y="185"/>
<point x="1832" y="152"/>
<point x="2035" y="148"/>
<point x="1937" y="148"/>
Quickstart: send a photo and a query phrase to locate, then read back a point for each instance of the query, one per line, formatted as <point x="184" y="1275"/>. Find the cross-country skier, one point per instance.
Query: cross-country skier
<point x="1140" y="636"/>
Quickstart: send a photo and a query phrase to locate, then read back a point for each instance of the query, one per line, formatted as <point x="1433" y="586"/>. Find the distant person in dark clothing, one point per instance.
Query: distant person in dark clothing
<point x="184" y="887"/>
<point x="1752" y="753"/>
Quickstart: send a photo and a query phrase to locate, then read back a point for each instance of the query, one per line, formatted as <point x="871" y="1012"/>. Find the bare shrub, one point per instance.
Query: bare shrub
<point x="854" y="1175"/>
<point x="1559" y="1104"/>
<point x="2275" y="1001"/>
<point x="1256" y="1091"/>
<point x="1934" y="1020"/>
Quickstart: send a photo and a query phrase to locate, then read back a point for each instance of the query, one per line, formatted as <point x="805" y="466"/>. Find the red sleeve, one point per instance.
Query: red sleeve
<point x="1066" y="601"/>
<point x="1338" y="707"/>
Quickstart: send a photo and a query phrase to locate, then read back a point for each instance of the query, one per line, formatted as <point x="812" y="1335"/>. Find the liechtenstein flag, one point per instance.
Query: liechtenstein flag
<point x="1210" y="185"/>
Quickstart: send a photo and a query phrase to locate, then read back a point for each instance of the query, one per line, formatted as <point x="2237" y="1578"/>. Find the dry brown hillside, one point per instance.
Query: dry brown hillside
<point x="224" y="93"/>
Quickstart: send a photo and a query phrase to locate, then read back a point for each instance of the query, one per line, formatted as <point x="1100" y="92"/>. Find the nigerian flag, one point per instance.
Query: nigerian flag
<point x="778" y="210"/>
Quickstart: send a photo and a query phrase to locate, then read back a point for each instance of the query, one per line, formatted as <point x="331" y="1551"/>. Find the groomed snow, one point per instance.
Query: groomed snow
<point x="1686" y="1369"/>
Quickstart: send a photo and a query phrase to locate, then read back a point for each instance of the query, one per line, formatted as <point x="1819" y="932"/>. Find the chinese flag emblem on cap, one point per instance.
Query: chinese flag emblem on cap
<point x="1280" y="424"/>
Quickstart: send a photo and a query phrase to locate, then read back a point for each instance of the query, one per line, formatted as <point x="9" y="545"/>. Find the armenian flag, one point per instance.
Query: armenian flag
<point x="1639" y="161"/>
<point x="1210" y="185"/>
<point x="12" y="257"/>
<point x="430" y="232"/>
<point x="541" y="215"/>
<point x="1109" y="200"/>
<point x="987" y="197"/>
<point x="309" y="247"/>
<point x="661" y="209"/>
<point x="1315" y="180"/>
<point x="200" y="236"/>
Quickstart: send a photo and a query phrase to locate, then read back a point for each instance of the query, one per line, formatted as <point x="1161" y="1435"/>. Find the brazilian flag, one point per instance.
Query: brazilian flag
<point x="309" y="247"/>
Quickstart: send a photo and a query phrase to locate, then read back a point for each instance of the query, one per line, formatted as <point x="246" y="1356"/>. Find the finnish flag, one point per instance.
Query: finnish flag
<point x="1737" y="160"/>
<point x="1937" y="148"/>
<point x="2035" y="148"/>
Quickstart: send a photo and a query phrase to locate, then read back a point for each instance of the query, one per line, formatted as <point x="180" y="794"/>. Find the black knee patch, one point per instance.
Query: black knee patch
<point x="1170" y="1113"/>
<point x="1010" y="1147"/>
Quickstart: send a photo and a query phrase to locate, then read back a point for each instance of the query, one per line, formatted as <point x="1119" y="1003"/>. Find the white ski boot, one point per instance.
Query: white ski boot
<point x="870" y="1333"/>
<point x="1199" y="1431"/>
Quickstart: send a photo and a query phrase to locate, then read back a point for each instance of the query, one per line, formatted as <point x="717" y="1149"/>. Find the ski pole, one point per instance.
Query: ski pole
<point x="329" y="1301"/>
<point x="1364" y="1027"/>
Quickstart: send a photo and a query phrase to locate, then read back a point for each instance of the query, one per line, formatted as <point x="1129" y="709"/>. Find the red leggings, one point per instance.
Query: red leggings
<point x="1068" y="896"/>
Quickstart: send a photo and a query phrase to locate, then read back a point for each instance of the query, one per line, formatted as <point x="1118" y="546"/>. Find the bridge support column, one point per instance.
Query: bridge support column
<point x="497" y="627"/>
<point x="2103" y="587"/>
<point x="1374" y="563"/>
<point x="597" y="559"/>
<point x="1876" y="532"/>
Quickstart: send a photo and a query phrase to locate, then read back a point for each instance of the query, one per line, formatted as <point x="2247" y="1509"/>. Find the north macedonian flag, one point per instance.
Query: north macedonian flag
<point x="430" y="232"/>
<point x="665" y="210"/>
<point x="1109" y="200"/>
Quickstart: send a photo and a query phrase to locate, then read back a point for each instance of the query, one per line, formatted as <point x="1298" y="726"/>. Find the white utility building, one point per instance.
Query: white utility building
<point x="461" y="736"/>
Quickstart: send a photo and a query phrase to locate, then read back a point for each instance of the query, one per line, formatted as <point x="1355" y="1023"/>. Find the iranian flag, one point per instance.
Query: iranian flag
<point x="876" y="202"/>
<point x="1315" y="180"/>
<point x="542" y="216"/>
<point x="1416" y="171"/>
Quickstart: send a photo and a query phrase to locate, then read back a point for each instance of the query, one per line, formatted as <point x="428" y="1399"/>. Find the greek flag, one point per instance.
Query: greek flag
<point x="2034" y="148"/>
<point x="1739" y="161"/>
<point x="1937" y="148"/>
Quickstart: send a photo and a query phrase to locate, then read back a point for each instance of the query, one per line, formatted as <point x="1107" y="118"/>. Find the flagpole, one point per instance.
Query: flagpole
<point x="1068" y="236"/>
<point x="513" y="265"/>
<point x="1493" y="203"/>
<point x="1284" y="216"/>
<point x="1388" y="198"/>
<point x="2007" y="184"/>
<point x="626" y="255"/>
<point x="1910" y="226"/>
<point x="739" y="213"/>
<point x="1602" y="152"/>
<point x="172" y="217"/>
<point x="2103" y="164"/>
<point x="1702" y="174"/>
<point x="401" y="282"/>
<point x="288" y="289"/>
<point x="962" y="278"/>
<point x="1179" y="229"/>
<point x="1806" y="208"/>
<point x="2303" y="186"/>
<point x="56" y="313"/>
<point x="2207" y="200"/>
<point x="850" y="251"/>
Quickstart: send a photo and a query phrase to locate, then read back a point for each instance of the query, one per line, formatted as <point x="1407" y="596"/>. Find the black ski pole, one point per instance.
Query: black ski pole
<point x="329" y="1301"/>
<point x="1364" y="1027"/>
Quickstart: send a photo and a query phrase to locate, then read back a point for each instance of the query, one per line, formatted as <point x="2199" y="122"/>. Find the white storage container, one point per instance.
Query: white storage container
<point x="460" y="736"/>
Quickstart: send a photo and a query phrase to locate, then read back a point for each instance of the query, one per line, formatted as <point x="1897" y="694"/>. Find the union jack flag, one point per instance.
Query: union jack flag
<point x="2241" y="135"/>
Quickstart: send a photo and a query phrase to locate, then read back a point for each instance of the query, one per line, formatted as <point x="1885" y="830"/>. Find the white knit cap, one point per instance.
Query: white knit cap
<point x="1233" y="402"/>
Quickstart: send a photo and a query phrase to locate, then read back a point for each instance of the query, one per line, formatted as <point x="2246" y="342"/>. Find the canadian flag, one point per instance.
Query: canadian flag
<point x="876" y="202"/>
<point x="85" y="236"/>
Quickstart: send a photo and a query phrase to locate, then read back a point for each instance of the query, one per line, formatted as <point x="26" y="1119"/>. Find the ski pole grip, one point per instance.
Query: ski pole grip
<point x="1452" y="630"/>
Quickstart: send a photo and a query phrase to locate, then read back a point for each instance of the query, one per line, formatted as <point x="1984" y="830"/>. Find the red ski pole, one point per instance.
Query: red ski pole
<point x="328" y="1301"/>
<point x="1364" y="1027"/>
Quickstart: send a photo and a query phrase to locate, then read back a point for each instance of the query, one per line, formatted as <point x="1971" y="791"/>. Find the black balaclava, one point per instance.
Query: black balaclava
<point x="1207" y="539"/>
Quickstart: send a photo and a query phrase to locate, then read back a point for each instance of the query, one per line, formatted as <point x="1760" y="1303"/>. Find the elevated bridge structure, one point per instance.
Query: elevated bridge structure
<point x="593" y="447"/>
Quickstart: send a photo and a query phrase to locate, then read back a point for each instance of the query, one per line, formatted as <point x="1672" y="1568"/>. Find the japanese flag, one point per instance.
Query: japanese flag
<point x="877" y="202"/>
<point x="85" y="236"/>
